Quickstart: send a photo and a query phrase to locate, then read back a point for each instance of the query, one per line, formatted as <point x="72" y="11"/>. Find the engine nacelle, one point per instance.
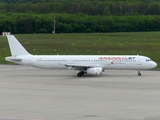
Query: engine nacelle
<point x="94" y="71"/>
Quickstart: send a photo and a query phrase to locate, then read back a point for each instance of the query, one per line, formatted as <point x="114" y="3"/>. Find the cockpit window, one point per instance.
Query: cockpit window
<point x="147" y="60"/>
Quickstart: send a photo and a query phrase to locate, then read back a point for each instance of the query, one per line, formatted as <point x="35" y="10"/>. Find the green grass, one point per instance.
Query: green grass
<point x="132" y="43"/>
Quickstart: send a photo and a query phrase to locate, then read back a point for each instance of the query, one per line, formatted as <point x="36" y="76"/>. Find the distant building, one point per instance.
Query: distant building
<point x="6" y="33"/>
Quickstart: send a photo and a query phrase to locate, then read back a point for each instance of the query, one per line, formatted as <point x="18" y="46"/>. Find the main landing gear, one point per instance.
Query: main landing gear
<point x="139" y="73"/>
<point x="80" y="74"/>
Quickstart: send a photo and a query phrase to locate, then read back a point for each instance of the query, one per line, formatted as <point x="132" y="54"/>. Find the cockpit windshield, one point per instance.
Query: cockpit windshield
<point x="147" y="60"/>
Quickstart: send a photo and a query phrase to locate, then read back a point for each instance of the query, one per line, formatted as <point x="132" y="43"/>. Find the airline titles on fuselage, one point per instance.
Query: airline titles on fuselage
<point x="117" y="58"/>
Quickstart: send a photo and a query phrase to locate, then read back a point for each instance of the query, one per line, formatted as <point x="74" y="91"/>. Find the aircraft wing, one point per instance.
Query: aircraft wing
<point x="80" y="66"/>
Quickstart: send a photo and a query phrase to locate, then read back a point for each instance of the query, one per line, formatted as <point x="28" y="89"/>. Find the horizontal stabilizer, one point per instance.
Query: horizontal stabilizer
<point x="13" y="59"/>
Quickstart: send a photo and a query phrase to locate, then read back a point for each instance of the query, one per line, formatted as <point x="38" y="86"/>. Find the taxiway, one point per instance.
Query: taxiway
<point x="28" y="94"/>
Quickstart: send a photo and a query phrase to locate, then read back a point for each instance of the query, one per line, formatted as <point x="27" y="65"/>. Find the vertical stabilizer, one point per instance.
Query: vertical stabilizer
<point x="15" y="47"/>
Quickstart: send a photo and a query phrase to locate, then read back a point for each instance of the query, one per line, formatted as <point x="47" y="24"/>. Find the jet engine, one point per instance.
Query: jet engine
<point x="94" y="71"/>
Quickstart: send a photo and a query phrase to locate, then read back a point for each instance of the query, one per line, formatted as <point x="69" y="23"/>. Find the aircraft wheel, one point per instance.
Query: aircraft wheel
<point x="139" y="74"/>
<point x="82" y="73"/>
<point x="79" y="74"/>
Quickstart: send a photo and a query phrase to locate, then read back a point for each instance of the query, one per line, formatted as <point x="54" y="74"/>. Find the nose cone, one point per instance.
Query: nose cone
<point x="154" y="64"/>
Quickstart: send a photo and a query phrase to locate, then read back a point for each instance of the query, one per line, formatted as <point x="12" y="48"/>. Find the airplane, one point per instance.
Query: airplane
<point x="85" y="64"/>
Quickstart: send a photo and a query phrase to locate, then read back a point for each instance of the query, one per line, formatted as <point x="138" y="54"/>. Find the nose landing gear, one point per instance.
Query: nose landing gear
<point x="139" y="73"/>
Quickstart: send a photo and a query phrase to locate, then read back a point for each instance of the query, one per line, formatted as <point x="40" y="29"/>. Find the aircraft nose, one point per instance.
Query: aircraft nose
<point x="155" y="64"/>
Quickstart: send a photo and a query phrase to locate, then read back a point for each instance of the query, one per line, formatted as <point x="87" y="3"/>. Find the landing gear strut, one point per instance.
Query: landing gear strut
<point x="80" y="74"/>
<point x="139" y="73"/>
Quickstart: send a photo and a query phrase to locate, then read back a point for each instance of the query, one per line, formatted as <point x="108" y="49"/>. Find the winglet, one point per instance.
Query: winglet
<point x="15" y="47"/>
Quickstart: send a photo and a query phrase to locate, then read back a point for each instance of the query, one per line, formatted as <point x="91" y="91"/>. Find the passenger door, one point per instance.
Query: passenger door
<point x="139" y="61"/>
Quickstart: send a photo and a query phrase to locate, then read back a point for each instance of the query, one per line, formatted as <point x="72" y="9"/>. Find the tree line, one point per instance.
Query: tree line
<point x="33" y="1"/>
<point x="79" y="16"/>
<point x="76" y="23"/>
<point x="89" y="7"/>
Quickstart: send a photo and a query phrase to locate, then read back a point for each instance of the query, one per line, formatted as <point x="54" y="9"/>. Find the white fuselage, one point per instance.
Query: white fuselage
<point x="104" y="61"/>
